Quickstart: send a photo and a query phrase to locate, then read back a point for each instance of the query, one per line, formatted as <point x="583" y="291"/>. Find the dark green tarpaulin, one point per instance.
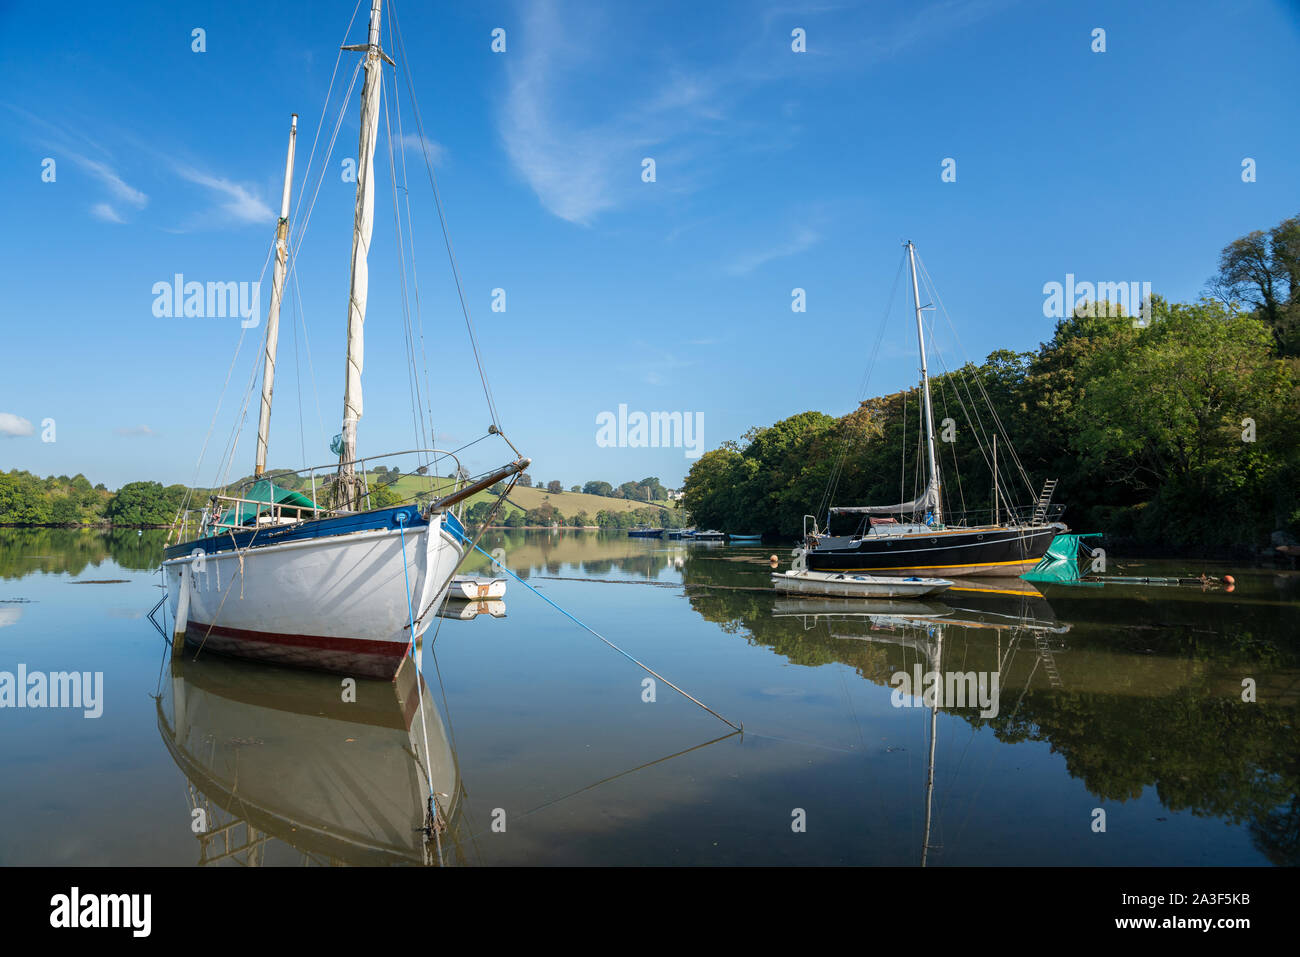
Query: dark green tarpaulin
<point x="265" y="492"/>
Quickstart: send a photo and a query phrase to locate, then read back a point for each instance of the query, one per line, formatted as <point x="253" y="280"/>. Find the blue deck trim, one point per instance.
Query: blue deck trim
<point x="384" y="518"/>
<point x="456" y="528"/>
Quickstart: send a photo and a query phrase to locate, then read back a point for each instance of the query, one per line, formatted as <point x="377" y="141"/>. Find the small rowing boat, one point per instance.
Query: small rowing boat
<point x="848" y="585"/>
<point x="470" y="588"/>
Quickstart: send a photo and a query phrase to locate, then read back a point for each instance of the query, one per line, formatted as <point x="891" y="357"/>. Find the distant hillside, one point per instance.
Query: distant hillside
<point x="569" y="503"/>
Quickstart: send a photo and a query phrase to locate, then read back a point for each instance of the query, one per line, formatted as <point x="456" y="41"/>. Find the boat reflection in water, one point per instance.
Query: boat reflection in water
<point x="914" y="632"/>
<point x="468" y="610"/>
<point x="285" y="770"/>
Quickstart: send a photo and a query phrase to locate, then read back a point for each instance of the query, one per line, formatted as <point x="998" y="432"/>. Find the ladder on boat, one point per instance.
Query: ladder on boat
<point x="1044" y="500"/>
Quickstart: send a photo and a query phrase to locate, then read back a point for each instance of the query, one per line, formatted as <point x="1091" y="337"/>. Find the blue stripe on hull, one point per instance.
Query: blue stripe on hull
<point x="378" y="520"/>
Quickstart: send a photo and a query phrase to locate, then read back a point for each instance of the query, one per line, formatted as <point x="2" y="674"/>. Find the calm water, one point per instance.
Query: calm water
<point x="1125" y="699"/>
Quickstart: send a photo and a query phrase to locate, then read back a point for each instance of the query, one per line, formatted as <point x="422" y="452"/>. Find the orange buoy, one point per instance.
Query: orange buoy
<point x="1229" y="580"/>
<point x="774" y="560"/>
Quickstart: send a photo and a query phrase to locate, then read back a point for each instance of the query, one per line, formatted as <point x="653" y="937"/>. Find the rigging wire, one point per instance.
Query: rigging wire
<point x="902" y="466"/>
<point x="833" y="481"/>
<point x="442" y="218"/>
<point x="415" y="278"/>
<point x="956" y="468"/>
<point x="198" y="466"/>
<point x="297" y="376"/>
<point x="311" y="368"/>
<point x="984" y="394"/>
<point x="413" y="379"/>
<point x="583" y="625"/>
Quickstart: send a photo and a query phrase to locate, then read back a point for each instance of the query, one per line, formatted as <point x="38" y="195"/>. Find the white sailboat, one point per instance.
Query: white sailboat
<point x="272" y="573"/>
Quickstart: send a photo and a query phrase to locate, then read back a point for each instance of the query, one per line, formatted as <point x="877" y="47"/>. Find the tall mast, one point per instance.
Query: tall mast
<point x="362" y="228"/>
<point x="277" y="293"/>
<point x="932" y="486"/>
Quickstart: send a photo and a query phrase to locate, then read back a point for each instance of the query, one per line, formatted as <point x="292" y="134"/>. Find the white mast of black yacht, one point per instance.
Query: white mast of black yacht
<point x="277" y="293"/>
<point x="362" y="228"/>
<point x="932" y="487"/>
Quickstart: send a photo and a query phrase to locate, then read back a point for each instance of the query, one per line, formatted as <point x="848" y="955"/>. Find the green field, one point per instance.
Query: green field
<point x="569" y="503"/>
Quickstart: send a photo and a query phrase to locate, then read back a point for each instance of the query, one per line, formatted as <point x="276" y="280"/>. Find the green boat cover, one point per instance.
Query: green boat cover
<point x="1061" y="563"/>
<point x="264" y="491"/>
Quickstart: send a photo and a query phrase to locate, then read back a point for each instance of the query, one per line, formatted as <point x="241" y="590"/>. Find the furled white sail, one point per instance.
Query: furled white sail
<point x="362" y="228"/>
<point x="927" y="500"/>
<point x="277" y="294"/>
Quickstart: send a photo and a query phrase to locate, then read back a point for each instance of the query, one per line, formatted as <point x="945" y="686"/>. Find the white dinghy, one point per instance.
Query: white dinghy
<point x="849" y="585"/>
<point x="800" y="580"/>
<point x="472" y="588"/>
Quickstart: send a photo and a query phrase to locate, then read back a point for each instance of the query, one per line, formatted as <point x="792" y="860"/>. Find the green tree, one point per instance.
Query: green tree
<point x="544" y="514"/>
<point x="145" y="503"/>
<point x="1262" y="270"/>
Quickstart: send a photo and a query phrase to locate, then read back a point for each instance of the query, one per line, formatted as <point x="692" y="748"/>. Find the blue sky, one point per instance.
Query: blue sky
<point x="774" y="170"/>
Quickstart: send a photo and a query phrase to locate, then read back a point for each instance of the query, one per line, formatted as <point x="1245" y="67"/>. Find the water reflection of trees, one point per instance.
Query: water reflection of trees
<point x="72" y="550"/>
<point x="568" y="551"/>
<point x="1148" y="696"/>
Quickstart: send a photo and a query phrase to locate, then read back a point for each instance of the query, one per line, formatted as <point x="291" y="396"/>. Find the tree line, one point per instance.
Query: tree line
<point x="1181" y="430"/>
<point x="547" y="514"/>
<point x="649" y="489"/>
<point x="27" y="499"/>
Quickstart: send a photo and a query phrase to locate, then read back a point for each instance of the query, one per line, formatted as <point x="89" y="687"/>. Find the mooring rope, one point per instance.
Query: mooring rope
<point x="419" y="688"/>
<point x="583" y="625"/>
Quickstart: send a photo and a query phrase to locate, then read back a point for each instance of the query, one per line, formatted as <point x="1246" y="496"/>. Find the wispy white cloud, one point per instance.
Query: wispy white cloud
<point x="235" y="203"/>
<point x="802" y="240"/>
<point x="583" y="165"/>
<point x="60" y="139"/>
<point x="134" y="430"/>
<point x="656" y="365"/>
<point x="106" y="212"/>
<point x="412" y="141"/>
<point x="120" y="188"/>
<point x="13" y="426"/>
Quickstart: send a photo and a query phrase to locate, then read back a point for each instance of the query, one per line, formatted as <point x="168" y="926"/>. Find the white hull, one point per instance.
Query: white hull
<point x="844" y="585"/>
<point x="339" y="603"/>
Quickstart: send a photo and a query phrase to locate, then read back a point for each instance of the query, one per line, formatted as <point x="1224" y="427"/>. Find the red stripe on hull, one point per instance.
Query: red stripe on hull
<point x="359" y="657"/>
